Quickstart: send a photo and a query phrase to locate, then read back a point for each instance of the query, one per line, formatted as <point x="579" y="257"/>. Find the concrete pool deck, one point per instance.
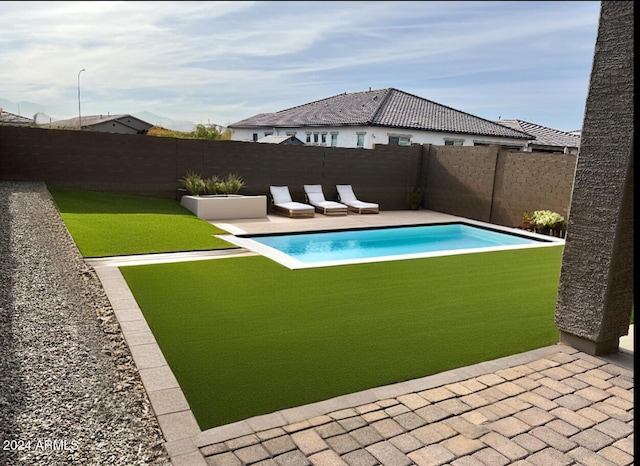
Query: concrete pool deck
<point x="280" y="224"/>
<point x="551" y="406"/>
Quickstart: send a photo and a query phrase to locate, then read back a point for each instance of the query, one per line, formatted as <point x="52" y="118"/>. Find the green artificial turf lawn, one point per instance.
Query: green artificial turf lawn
<point x="108" y="224"/>
<point x="247" y="336"/>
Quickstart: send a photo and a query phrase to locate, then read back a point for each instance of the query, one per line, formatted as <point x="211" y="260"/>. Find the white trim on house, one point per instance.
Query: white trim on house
<point x="347" y="136"/>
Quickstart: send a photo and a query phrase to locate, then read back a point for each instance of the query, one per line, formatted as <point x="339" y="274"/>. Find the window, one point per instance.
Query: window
<point x="360" y="142"/>
<point x="308" y="138"/>
<point x="323" y="138"/>
<point x="400" y="140"/>
<point x="255" y="137"/>
<point x="315" y="138"/>
<point x="454" y="142"/>
<point x="268" y="133"/>
<point x="334" y="139"/>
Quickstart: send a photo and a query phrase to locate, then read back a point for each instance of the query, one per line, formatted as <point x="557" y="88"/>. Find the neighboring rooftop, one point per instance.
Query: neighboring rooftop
<point x="86" y="120"/>
<point x="292" y="140"/>
<point x="8" y="118"/>
<point x="383" y="107"/>
<point x="545" y="136"/>
<point x="122" y="123"/>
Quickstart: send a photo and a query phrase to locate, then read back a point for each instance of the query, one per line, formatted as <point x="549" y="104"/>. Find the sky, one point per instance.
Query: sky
<point x="221" y="62"/>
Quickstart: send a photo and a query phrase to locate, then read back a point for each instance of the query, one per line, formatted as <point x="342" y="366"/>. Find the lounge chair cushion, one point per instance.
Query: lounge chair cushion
<point x="294" y="206"/>
<point x="315" y="197"/>
<point x="329" y="205"/>
<point x="345" y="191"/>
<point x="361" y="204"/>
<point x="280" y="194"/>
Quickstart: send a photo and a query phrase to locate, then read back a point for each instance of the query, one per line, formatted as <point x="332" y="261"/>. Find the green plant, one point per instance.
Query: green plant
<point x="528" y="223"/>
<point x="200" y="132"/>
<point x="415" y="199"/>
<point x="196" y="185"/>
<point x="208" y="132"/>
<point x="231" y="184"/>
<point x="193" y="183"/>
<point x="212" y="185"/>
<point x="546" y="220"/>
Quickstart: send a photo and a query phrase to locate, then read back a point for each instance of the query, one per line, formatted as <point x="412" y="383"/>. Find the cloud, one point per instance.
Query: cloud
<point x="225" y="61"/>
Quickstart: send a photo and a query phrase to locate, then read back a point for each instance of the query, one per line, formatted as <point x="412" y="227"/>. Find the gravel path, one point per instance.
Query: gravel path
<point x="69" y="391"/>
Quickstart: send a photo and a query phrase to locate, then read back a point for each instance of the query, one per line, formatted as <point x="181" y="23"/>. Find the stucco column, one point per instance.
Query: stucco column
<point x="595" y="293"/>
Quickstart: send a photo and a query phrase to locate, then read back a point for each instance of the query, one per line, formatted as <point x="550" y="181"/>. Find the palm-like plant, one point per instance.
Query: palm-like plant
<point x="193" y="183"/>
<point x="233" y="184"/>
<point x="212" y="185"/>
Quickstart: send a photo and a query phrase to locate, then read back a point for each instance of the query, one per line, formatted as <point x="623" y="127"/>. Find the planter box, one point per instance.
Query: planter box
<point x="220" y="207"/>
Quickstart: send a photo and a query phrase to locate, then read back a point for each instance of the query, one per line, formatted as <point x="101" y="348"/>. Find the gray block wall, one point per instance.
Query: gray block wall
<point x="481" y="183"/>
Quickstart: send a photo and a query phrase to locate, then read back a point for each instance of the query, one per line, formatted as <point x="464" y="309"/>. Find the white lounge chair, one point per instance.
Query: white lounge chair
<point x="284" y="205"/>
<point x="346" y="196"/>
<point x="316" y="198"/>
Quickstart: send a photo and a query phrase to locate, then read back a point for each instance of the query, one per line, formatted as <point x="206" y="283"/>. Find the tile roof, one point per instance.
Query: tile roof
<point x="544" y="136"/>
<point x="8" y="118"/>
<point x="382" y="107"/>
<point x="86" y="120"/>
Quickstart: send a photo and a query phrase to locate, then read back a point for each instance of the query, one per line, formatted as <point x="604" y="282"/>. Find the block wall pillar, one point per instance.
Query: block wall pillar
<point x="595" y="293"/>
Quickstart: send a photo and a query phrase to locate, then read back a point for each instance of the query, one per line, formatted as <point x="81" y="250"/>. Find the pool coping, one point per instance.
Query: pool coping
<point x="244" y="240"/>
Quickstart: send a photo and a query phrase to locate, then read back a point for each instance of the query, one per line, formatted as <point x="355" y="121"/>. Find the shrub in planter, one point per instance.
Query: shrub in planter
<point x="193" y="183"/>
<point x="528" y="223"/>
<point x="548" y="222"/>
<point x="211" y="185"/>
<point x="232" y="184"/>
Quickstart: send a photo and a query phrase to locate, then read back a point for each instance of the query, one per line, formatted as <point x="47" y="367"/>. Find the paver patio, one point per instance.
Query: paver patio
<point x="550" y="406"/>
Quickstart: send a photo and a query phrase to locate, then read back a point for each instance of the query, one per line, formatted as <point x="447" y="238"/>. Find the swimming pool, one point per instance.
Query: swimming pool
<point x="338" y="247"/>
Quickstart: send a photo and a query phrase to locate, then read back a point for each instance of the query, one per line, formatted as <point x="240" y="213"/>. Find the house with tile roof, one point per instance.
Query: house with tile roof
<point x="11" y="119"/>
<point x="121" y="124"/>
<point x="383" y="116"/>
<point x="547" y="139"/>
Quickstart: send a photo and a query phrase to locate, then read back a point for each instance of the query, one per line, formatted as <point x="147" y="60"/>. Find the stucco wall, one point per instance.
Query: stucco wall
<point x="595" y="294"/>
<point x="348" y="136"/>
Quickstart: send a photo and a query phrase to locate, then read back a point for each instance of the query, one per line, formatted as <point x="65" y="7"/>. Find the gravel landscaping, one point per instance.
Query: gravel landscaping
<point x="70" y="393"/>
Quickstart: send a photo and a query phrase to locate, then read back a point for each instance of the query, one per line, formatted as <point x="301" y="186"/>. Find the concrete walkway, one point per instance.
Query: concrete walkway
<point x="551" y="406"/>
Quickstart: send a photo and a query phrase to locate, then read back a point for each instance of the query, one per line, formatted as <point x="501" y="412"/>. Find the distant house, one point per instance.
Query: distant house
<point x="122" y="124"/>
<point x="546" y="139"/>
<point x="11" y="119"/>
<point x="288" y="140"/>
<point x="383" y="116"/>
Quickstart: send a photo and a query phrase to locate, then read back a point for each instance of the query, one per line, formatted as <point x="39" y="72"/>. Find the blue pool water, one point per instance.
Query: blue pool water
<point x="341" y="246"/>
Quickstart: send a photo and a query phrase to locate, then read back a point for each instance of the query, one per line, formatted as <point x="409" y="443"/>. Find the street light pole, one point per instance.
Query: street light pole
<point x="79" y="114"/>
